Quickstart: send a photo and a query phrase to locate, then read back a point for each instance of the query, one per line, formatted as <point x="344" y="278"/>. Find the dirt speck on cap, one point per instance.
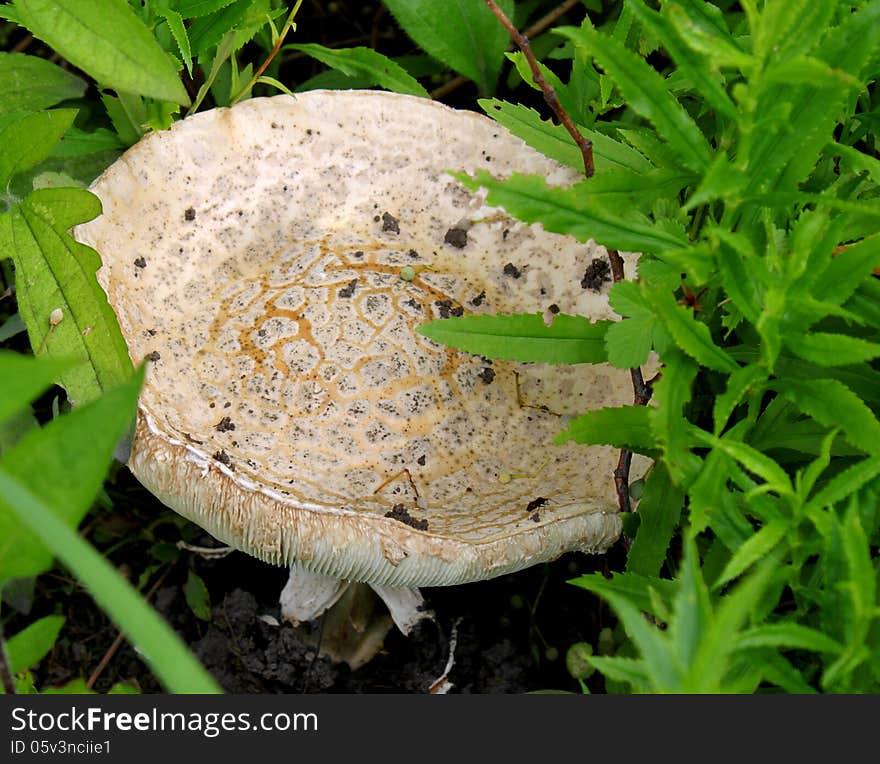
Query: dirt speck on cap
<point x="224" y="425"/>
<point x="597" y="273"/>
<point x="190" y="214"/>
<point x="398" y="512"/>
<point x="389" y="223"/>
<point x="511" y="270"/>
<point x="456" y="237"/>
<point x="348" y="291"/>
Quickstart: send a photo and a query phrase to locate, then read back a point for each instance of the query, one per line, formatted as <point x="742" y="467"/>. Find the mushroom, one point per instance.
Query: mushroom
<point x="273" y="261"/>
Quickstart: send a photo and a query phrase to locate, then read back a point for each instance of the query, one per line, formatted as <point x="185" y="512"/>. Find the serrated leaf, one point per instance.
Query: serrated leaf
<point x="756" y="548"/>
<point x="845" y="484"/>
<point x="208" y="31"/>
<point x="23" y="378"/>
<point x="64" y="465"/>
<point x="671" y="392"/>
<point x="30" y="645"/>
<point x="628" y="342"/>
<point x="622" y="427"/>
<point x="701" y="25"/>
<point x="852" y="266"/>
<point x="659" y="513"/>
<point x="739" y="383"/>
<point x="29" y="83"/>
<point x="833" y="404"/>
<point x="806" y="70"/>
<point x="463" y="34"/>
<point x="750" y="458"/>
<point x="643" y="591"/>
<point x="192" y="9"/>
<point x="646" y="93"/>
<point x="691" y="335"/>
<point x="54" y="272"/>
<point x="27" y="139"/>
<point x="826" y="349"/>
<point x="178" y="31"/>
<point x="575" y="212"/>
<point x="695" y="66"/>
<point x="107" y="40"/>
<point x="365" y="62"/>
<point x="789" y="635"/>
<point x="522" y="337"/>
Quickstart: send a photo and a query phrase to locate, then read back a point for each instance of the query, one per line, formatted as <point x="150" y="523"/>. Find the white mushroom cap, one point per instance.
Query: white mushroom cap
<point x="255" y="255"/>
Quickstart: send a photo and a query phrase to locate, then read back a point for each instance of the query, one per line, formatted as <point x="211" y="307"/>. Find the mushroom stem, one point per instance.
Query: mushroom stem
<point x="307" y="595"/>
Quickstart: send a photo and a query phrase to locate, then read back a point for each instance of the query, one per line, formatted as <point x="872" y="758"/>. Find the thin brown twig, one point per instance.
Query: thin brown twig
<point x="120" y="638"/>
<point x="535" y="29"/>
<point x="584" y="144"/>
<point x="23" y="43"/>
<point x="641" y="391"/>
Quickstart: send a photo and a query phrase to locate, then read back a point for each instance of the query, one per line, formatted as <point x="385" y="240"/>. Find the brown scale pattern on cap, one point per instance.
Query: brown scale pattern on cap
<point x="278" y="310"/>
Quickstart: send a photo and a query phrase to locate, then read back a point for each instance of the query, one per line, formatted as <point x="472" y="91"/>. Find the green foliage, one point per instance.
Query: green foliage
<point x="463" y="34"/>
<point x="755" y="212"/>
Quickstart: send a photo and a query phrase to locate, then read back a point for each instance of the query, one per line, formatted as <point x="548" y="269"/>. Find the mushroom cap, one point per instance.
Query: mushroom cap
<point x="255" y="255"/>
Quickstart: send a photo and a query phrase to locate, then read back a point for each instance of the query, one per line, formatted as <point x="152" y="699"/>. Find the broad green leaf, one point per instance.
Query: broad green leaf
<point x="30" y="645"/>
<point x="695" y="66"/>
<point x="22" y="379"/>
<point x="463" y="34"/>
<point x="789" y="635"/>
<point x="522" y="337"/>
<point x="197" y="597"/>
<point x="573" y="211"/>
<point x="156" y="641"/>
<point x="365" y="62"/>
<point x="28" y="139"/>
<point x="106" y="40"/>
<point x="76" y="142"/>
<point x="646" y="93"/>
<point x="29" y="83"/>
<point x="833" y="404"/>
<point x="628" y="342"/>
<point x="54" y="272"/>
<point x="691" y="335"/>
<point x="64" y="465"/>
<point x="756" y="548"/>
<point x="659" y="512"/>
<point x="622" y="427"/>
<point x="645" y="592"/>
<point x="827" y="349"/>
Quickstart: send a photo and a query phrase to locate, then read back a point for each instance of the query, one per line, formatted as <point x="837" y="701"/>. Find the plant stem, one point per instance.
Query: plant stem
<point x="272" y="53"/>
<point x="584" y="144"/>
<point x="641" y="392"/>
<point x="5" y="670"/>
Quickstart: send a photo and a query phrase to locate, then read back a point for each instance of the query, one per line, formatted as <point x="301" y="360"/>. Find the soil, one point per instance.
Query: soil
<point x="512" y="632"/>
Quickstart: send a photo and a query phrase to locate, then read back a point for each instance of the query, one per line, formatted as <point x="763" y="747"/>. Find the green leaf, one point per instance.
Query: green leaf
<point x="107" y="40"/>
<point x="739" y="383"/>
<point x="29" y="646"/>
<point x="833" y="404"/>
<point x="844" y="273"/>
<point x="463" y="34"/>
<point x="54" y="272"/>
<point x="156" y="641"/>
<point x="208" y="31"/>
<point x="629" y="341"/>
<point x="365" y="62"/>
<point x="647" y="94"/>
<point x="827" y="349"/>
<point x="522" y="337"/>
<point x="756" y="548"/>
<point x="29" y="83"/>
<point x="671" y="392"/>
<point x="702" y="26"/>
<point x="846" y="483"/>
<point x="753" y="460"/>
<point x="76" y="142"/>
<point x="197" y="597"/>
<point x="192" y="9"/>
<point x="574" y="211"/>
<point x="693" y="65"/>
<point x="789" y="635"/>
<point x="622" y="427"/>
<point x="659" y="512"/>
<point x="22" y="379"/>
<point x="691" y="335"/>
<point x="27" y="139"/>
<point x="64" y="465"/>
<point x="178" y="31"/>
